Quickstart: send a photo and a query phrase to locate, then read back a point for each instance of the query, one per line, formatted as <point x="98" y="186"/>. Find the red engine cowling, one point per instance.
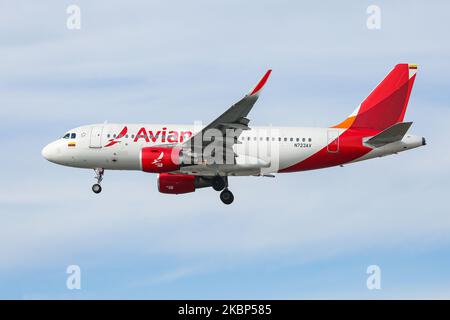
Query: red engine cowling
<point x="176" y="183"/>
<point x="157" y="159"/>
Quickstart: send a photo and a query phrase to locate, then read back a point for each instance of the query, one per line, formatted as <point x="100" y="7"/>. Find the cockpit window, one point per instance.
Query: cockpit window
<point x="73" y="136"/>
<point x="67" y="136"/>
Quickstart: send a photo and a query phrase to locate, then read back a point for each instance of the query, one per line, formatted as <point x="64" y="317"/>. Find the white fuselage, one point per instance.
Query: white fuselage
<point x="261" y="150"/>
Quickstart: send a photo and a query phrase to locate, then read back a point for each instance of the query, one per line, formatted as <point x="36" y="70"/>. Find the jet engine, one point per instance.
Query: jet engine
<point x="160" y="159"/>
<point x="181" y="183"/>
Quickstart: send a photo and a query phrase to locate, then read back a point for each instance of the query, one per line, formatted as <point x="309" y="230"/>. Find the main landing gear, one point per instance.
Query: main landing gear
<point x="226" y="196"/>
<point x="97" y="188"/>
<point x="221" y="184"/>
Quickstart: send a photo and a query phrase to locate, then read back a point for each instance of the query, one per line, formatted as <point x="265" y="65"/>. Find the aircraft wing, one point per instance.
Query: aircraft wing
<point x="234" y="118"/>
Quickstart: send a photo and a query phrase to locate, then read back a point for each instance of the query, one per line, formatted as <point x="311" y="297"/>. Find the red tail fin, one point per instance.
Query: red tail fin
<point x="386" y="105"/>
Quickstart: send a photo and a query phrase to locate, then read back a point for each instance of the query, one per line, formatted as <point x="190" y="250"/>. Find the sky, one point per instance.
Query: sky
<point x="307" y="235"/>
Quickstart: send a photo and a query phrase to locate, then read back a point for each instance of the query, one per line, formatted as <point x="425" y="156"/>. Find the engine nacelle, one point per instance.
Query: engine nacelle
<point x="176" y="183"/>
<point x="159" y="159"/>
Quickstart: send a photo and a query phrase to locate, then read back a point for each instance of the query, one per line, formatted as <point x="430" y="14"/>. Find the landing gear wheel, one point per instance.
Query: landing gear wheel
<point x="97" y="188"/>
<point x="226" y="196"/>
<point x="218" y="183"/>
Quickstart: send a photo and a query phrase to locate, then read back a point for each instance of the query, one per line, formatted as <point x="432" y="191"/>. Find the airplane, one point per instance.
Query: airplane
<point x="189" y="157"/>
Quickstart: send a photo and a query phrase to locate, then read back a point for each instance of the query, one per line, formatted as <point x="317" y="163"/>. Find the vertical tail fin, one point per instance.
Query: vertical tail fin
<point x="386" y="104"/>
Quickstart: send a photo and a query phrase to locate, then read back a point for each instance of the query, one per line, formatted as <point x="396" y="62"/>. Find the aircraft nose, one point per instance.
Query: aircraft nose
<point x="48" y="152"/>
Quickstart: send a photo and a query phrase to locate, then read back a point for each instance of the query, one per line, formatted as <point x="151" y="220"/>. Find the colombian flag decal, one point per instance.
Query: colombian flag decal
<point x="71" y="144"/>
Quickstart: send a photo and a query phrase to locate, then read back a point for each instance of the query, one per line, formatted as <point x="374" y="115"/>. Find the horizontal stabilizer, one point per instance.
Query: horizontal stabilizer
<point x="394" y="133"/>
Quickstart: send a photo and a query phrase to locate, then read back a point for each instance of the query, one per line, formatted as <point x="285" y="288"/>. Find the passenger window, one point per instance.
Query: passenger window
<point x="67" y="136"/>
<point x="254" y="138"/>
<point x="279" y="139"/>
<point x="108" y="135"/>
<point x="309" y="139"/>
<point x="303" y="140"/>
<point x="73" y="136"/>
<point x="292" y="139"/>
<point x="285" y="139"/>
<point x="248" y="138"/>
<point x="298" y="139"/>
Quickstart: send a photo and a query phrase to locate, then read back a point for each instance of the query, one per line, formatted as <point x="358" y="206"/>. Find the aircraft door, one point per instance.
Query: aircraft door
<point x="333" y="141"/>
<point x="96" y="137"/>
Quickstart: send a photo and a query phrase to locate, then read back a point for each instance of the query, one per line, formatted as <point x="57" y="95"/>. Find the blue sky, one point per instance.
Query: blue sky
<point x="303" y="235"/>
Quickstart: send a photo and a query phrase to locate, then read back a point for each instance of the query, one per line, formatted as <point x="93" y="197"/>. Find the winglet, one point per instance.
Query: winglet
<point x="260" y="84"/>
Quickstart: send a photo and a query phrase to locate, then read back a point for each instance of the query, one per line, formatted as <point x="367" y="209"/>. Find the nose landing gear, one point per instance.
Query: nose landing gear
<point x="97" y="188"/>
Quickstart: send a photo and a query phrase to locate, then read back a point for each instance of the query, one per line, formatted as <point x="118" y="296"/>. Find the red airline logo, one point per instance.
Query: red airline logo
<point x="157" y="162"/>
<point x="115" y="140"/>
